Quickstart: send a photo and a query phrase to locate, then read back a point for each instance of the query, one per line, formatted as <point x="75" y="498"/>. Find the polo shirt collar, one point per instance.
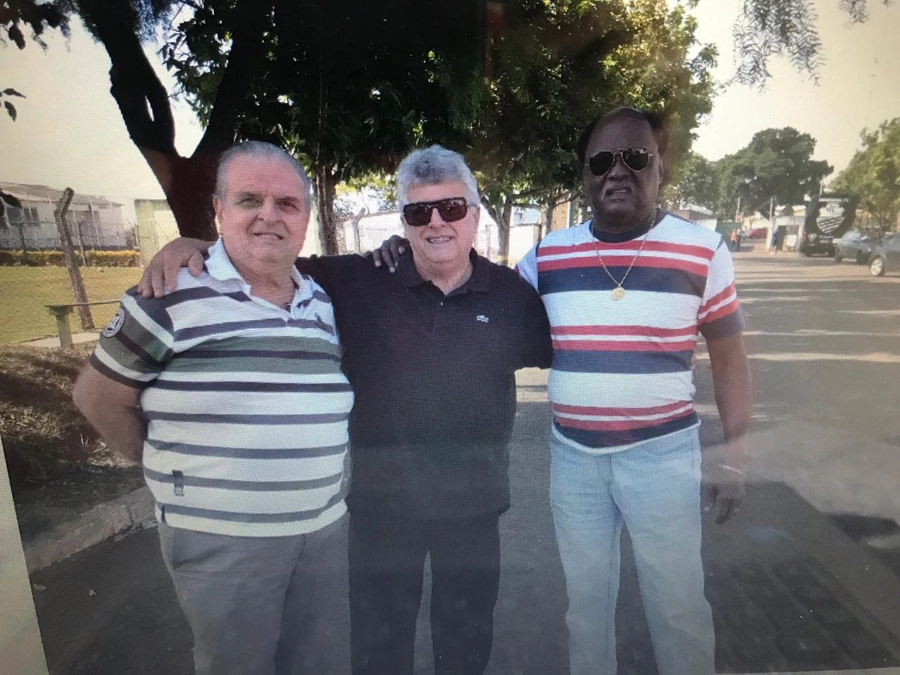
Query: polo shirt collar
<point x="219" y="266"/>
<point x="479" y="282"/>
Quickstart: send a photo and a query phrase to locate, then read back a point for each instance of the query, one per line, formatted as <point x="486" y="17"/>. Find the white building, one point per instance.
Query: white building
<point x="94" y="222"/>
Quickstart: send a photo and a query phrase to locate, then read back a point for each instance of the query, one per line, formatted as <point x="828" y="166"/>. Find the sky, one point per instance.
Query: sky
<point x="69" y="131"/>
<point x="859" y="85"/>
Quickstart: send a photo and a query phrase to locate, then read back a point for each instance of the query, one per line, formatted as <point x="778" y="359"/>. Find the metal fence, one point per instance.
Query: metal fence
<point x="26" y="289"/>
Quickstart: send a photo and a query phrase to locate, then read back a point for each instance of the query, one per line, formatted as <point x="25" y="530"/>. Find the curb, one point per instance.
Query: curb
<point x="134" y="511"/>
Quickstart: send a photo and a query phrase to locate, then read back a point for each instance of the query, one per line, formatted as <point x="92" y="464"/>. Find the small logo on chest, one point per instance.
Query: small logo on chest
<point x="482" y="318"/>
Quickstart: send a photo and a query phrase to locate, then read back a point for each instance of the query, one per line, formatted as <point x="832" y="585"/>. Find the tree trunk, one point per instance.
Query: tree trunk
<point x="547" y="220"/>
<point x="504" y="223"/>
<point x="188" y="182"/>
<point x="328" y="234"/>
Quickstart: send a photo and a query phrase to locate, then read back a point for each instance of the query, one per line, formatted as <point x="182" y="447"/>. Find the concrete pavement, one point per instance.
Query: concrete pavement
<point x="791" y="591"/>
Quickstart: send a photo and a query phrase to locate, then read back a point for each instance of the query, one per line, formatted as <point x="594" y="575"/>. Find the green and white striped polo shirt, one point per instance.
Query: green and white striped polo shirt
<point x="245" y="402"/>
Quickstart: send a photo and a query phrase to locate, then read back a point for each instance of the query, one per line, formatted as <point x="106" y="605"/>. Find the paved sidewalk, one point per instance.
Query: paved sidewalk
<point x="114" y="518"/>
<point x="790" y="591"/>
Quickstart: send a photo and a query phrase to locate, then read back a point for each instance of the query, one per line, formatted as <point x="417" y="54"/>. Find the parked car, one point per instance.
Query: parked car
<point x="756" y="233"/>
<point x="815" y="243"/>
<point x="885" y="256"/>
<point x="855" y="245"/>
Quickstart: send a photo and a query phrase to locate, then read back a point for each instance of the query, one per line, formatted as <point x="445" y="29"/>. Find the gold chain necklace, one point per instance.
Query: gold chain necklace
<point x="619" y="292"/>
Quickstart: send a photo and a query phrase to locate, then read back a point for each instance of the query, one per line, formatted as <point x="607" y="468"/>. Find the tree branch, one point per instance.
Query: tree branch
<point x="141" y="97"/>
<point x="247" y="51"/>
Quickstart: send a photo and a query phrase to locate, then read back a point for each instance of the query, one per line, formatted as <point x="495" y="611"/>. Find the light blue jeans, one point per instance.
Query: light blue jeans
<point x="654" y="489"/>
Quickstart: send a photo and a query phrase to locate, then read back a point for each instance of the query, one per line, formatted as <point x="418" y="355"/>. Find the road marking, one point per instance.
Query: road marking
<point x="816" y="333"/>
<point x="877" y="357"/>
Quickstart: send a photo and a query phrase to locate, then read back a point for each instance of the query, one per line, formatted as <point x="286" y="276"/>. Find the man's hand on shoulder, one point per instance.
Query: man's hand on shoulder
<point x="161" y="274"/>
<point x="390" y="252"/>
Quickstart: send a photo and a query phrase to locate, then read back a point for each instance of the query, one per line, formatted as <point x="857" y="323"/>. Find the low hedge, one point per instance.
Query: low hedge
<point x="56" y="258"/>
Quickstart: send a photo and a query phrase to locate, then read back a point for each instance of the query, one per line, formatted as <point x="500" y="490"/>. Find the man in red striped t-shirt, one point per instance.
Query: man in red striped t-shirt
<point x="627" y="294"/>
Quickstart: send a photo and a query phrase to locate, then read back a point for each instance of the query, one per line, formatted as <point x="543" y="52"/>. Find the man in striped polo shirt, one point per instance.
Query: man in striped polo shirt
<point x="627" y="294"/>
<point x="230" y="390"/>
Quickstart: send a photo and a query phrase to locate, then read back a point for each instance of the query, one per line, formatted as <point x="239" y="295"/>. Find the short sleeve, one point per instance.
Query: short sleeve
<point x="720" y="313"/>
<point x="136" y="345"/>
<point x="527" y="268"/>
<point x="537" y="347"/>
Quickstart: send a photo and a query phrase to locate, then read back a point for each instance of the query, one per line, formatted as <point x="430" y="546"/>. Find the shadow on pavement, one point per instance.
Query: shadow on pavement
<point x="790" y="592"/>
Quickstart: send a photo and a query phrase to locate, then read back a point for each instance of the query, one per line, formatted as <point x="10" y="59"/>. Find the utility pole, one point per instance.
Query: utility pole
<point x="65" y="240"/>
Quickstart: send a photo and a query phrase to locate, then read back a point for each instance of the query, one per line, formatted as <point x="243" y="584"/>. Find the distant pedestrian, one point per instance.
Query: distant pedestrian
<point x="735" y="241"/>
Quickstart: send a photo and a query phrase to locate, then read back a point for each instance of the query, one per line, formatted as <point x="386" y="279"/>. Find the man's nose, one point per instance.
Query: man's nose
<point x="435" y="219"/>
<point x="618" y="168"/>
<point x="268" y="211"/>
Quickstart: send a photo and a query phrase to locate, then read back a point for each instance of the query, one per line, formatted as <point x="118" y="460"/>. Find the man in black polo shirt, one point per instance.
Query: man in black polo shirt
<point x="431" y="352"/>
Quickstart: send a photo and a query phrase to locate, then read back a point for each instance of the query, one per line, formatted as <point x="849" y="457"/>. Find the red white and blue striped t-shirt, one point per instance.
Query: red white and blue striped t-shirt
<point x="621" y="369"/>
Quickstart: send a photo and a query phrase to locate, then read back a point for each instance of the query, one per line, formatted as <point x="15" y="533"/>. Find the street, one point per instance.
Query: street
<point x="805" y="578"/>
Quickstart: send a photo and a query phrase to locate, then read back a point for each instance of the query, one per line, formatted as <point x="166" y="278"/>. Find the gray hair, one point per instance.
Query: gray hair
<point x="258" y="150"/>
<point x="431" y="166"/>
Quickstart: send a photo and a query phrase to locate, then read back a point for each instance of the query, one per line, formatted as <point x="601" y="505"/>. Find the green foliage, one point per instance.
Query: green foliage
<point x="349" y="87"/>
<point x="784" y="28"/>
<point x="699" y="184"/>
<point x="57" y="259"/>
<point x="371" y="193"/>
<point x="776" y="165"/>
<point x="10" y="108"/>
<point x="16" y="14"/>
<point x="36" y="17"/>
<point x="559" y="65"/>
<point x="873" y="175"/>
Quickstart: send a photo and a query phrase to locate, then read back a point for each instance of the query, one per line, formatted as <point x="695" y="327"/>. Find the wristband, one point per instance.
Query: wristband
<point x="733" y="469"/>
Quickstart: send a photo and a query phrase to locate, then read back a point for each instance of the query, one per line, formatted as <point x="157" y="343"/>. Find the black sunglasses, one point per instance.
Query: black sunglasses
<point x="635" y="159"/>
<point x="451" y="210"/>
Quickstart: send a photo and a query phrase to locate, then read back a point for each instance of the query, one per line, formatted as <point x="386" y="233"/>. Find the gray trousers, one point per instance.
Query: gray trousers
<point x="263" y="605"/>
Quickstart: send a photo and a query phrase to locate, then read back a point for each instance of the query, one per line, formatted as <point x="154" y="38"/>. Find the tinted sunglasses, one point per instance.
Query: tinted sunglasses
<point x="635" y="159"/>
<point x="451" y="210"/>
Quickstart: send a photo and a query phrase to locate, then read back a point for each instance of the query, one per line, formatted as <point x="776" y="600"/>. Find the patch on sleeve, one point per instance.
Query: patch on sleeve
<point x="115" y="325"/>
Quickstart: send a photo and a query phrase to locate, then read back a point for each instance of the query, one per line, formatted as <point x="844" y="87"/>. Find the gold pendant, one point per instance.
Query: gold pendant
<point x="618" y="293"/>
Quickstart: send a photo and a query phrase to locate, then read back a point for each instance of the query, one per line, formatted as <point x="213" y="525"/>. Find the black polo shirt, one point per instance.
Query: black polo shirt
<point x="434" y="379"/>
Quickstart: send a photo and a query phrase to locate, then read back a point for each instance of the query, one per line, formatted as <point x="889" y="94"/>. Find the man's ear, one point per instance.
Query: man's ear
<point x="218" y="205"/>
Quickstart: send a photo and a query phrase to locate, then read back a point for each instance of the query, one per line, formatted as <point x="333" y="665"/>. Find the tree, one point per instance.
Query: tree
<point x="698" y="184"/>
<point x="873" y="175"/>
<point x="415" y="70"/>
<point x="554" y="67"/>
<point x="784" y="28"/>
<point x="775" y="168"/>
<point x="372" y="193"/>
<point x="14" y="14"/>
<point x="347" y="106"/>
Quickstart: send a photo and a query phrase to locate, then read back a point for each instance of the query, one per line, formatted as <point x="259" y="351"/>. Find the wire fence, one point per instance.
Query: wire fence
<point x="28" y="286"/>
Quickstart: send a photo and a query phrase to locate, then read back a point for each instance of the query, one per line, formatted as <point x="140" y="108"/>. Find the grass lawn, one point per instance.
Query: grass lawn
<point x="25" y="290"/>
